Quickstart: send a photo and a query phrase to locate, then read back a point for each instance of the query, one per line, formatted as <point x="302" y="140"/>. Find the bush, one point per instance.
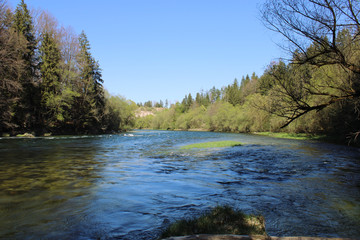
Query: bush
<point x="220" y="220"/>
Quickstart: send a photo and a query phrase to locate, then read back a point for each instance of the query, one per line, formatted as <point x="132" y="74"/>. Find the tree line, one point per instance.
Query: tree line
<point x="50" y="82"/>
<point x="316" y="90"/>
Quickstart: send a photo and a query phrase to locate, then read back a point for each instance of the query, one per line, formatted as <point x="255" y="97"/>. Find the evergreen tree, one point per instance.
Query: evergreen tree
<point x="27" y="113"/>
<point x="12" y="67"/>
<point x="233" y="94"/>
<point x="89" y="105"/>
<point x="198" y="99"/>
<point x="190" y="101"/>
<point x="50" y="86"/>
<point x="148" y="104"/>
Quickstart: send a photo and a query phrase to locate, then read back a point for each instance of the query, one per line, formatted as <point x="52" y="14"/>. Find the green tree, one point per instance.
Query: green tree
<point x="187" y="102"/>
<point x="233" y="94"/>
<point x="27" y="113"/>
<point x="51" y="98"/>
<point x="12" y="67"/>
<point x="89" y="104"/>
<point x="215" y="95"/>
<point x="325" y="35"/>
<point x="148" y="104"/>
<point x="119" y="114"/>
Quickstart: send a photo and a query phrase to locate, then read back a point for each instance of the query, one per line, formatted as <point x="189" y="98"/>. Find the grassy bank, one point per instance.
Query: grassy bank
<point x="298" y="136"/>
<point x="220" y="220"/>
<point x="218" y="144"/>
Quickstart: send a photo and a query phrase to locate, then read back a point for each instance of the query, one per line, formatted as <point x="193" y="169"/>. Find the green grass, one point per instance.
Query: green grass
<point x="218" y="144"/>
<point x="220" y="220"/>
<point x="299" y="136"/>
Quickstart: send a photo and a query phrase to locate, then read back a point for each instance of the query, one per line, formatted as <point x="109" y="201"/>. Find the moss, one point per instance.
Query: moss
<point x="220" y="220"/>
<point x="219" y="144"/>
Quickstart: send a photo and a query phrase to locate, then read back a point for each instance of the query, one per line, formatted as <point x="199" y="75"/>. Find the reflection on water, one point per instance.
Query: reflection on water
<point x="130" y="187"/>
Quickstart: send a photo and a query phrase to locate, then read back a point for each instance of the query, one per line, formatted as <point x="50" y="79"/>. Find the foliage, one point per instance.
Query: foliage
<point x="12" y="68"/>
<point x="299" y="136"/>
<point x="324" y="41"/>
<point x="51" y="99"/>
<point x="317" y="91"/>
<point x="220" y="220"/>
<point x="119" y="113"/>
<point x="49" y="81"/>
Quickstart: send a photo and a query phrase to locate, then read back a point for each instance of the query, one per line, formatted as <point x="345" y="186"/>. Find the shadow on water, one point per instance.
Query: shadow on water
<point x="132" y="186"/>
<point x="45" y="186"/>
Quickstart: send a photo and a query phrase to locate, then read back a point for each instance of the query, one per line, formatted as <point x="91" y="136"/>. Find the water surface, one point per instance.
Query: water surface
<point x="131" y="187"/>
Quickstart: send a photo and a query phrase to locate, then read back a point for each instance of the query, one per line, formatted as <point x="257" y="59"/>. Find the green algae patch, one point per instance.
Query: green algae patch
<point x="220" y="220"/>
<point x="218" y="144"/>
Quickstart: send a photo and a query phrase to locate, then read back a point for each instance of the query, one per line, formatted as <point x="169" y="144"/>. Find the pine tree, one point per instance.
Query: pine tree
<point x="51" y="100"/>
<point x="12" y="67"/>
<point x="27" y="112"/>
<point x="89" y="107"/>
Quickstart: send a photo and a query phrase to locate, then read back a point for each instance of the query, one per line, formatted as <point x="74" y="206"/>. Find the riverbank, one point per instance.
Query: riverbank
<point x="297" y="136"/>
<point x="245" y="237"/>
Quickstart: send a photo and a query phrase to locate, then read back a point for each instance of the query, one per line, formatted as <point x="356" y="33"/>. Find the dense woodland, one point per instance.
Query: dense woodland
<point x="50" y="82"/>
<point x="316" y="91"/>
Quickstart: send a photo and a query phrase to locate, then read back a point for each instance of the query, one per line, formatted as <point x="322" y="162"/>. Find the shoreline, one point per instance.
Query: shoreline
<point x="294" y="136"/>
<point x="249" y="237"/>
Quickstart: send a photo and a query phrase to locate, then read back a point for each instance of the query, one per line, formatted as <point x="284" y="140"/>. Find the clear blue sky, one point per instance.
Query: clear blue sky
<point x="164" y="49"/>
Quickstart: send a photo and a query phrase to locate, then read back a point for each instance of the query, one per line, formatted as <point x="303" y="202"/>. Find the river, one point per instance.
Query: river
<point x="130" y="186"/>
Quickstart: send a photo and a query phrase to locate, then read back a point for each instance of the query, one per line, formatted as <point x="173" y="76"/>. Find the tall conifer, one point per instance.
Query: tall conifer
<point x="91" y="101"/>
<point x="27" y="113"/>
<point x="50" y="81"/>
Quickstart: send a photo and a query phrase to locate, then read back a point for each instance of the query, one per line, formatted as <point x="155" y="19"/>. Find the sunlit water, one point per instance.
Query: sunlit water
<point x="131" y="187"/>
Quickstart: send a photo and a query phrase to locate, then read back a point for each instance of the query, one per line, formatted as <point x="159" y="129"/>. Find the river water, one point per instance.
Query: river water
<point x="132" y="186"/>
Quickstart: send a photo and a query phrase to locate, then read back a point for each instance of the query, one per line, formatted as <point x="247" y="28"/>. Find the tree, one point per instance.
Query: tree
<point x="11" y="69"/>
<point x="215" y="95"/>
<point x="89" y="104"/>
<point x="51" y="99"/>
<point x="27" y="111"/>
<point x="322" y="34"/>
<point x="148" y="104"/>
<point x="233" y="93"/>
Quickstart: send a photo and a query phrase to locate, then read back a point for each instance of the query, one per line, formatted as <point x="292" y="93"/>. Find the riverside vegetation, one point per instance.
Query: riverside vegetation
<point x="316" y="91"/>
<point x="220" y="220"/>
<point x="50" y="83"/>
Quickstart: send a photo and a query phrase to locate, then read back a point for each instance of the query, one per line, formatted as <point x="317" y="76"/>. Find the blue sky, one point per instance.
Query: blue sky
<point x="164" y="49"/>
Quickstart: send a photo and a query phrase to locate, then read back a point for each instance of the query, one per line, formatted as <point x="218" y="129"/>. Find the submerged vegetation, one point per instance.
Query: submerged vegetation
<point x="220" y="220"/>
<point x="218" y="144"/>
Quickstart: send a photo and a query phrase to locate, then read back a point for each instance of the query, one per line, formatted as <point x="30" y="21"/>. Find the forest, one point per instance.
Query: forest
<point x="316" y="91"/>
<point x="50" y="82"/>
